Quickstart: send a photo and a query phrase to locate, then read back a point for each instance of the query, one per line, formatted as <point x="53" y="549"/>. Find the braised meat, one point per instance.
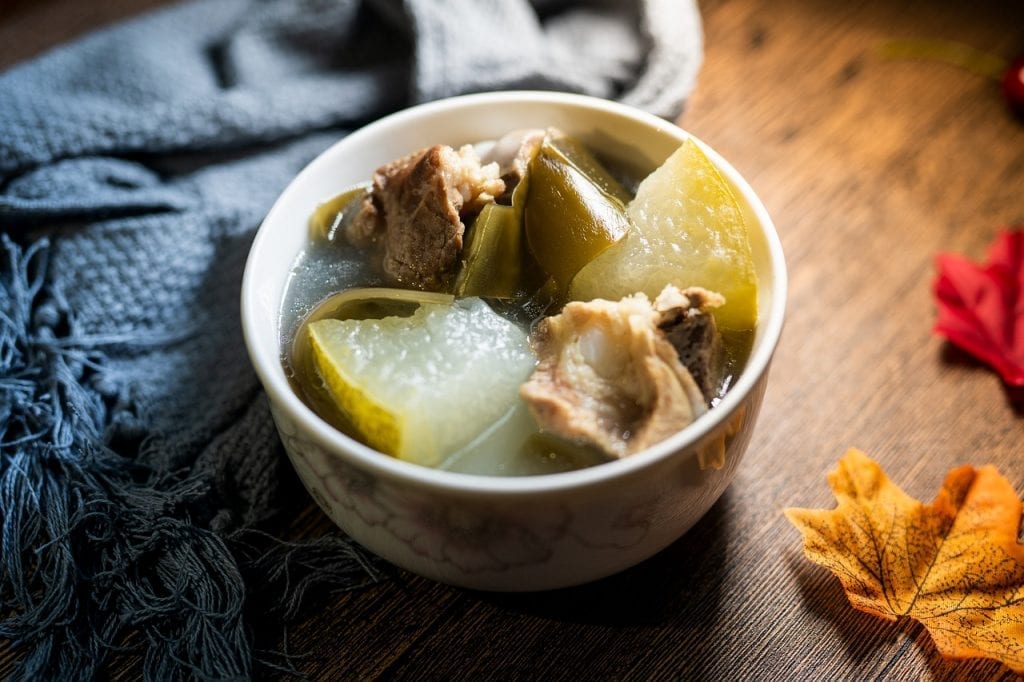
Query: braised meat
<point x="416" y="209"/>
<point x="691" y="329"/>
<point x="607" y="375"/>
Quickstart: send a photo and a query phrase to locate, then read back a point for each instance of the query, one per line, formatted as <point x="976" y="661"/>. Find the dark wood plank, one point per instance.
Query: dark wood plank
<point x="869" y="168"/>
<point x="29" y="27"/>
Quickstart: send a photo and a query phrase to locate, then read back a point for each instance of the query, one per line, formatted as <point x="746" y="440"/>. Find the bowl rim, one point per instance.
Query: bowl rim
<point x="338" y="444"/>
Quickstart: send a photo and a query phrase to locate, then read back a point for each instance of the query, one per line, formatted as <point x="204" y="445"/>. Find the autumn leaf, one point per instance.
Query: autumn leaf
<point x="981" y="307"/>
<point x="954" y="565"/>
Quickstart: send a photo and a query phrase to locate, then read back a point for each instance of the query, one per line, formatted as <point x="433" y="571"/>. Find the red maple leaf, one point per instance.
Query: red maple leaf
<point x="981" y="307"/>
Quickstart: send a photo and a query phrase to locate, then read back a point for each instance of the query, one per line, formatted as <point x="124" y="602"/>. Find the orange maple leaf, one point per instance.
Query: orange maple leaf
<point x="954" y="565"/>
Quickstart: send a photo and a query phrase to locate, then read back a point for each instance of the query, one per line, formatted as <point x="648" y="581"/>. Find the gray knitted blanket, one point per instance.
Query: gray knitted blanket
<point x="140" y="475"/>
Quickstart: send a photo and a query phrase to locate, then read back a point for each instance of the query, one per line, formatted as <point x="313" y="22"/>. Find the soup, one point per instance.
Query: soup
<point x="556" y="267"/>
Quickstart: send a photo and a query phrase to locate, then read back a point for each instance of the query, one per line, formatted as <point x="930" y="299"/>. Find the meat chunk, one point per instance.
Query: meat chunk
<point x="513" y="153"/>
<point x="415" y="210"/>
<point x="608" y="376"/>
<point x="691" y="329"/>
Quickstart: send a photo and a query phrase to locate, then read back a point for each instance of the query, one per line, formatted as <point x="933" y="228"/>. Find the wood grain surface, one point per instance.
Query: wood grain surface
<point x="869" y="167"/>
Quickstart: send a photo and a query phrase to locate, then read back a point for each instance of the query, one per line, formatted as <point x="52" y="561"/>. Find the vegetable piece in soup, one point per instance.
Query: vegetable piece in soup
<point x="420" y="387"/>
<point x="688" y="230"/>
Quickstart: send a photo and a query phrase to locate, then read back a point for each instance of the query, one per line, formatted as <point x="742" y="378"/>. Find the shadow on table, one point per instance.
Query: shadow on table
<point x="822" y="595"/>
<point x="971" y="669"/>
<point x="952" y="355"/>
<point x="679" y="584"/>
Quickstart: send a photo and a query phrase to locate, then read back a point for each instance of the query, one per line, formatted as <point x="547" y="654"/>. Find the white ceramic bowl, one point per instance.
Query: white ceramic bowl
<point x="498" y="533"/>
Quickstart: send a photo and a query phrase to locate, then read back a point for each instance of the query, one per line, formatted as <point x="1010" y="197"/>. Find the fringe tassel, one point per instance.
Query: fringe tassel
<point x="100" y="555"/>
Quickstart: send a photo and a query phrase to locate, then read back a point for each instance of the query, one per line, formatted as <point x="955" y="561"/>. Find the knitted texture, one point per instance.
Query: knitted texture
<point x="138" y="460"/>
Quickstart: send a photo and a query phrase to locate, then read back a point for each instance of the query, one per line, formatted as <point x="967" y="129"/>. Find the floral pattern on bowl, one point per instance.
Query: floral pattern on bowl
<point x="469" y="536"/>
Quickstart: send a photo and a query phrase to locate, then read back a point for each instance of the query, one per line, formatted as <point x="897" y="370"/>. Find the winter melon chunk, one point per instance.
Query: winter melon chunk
<point x="688" y="230"/>
<point x="420" y="387"/>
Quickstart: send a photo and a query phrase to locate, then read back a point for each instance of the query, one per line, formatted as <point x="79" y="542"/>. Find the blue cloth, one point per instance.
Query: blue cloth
<point x="138" y="461"/>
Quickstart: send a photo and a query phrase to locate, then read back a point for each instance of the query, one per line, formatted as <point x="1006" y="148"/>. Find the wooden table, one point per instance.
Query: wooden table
<point x="870" y="167"/>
